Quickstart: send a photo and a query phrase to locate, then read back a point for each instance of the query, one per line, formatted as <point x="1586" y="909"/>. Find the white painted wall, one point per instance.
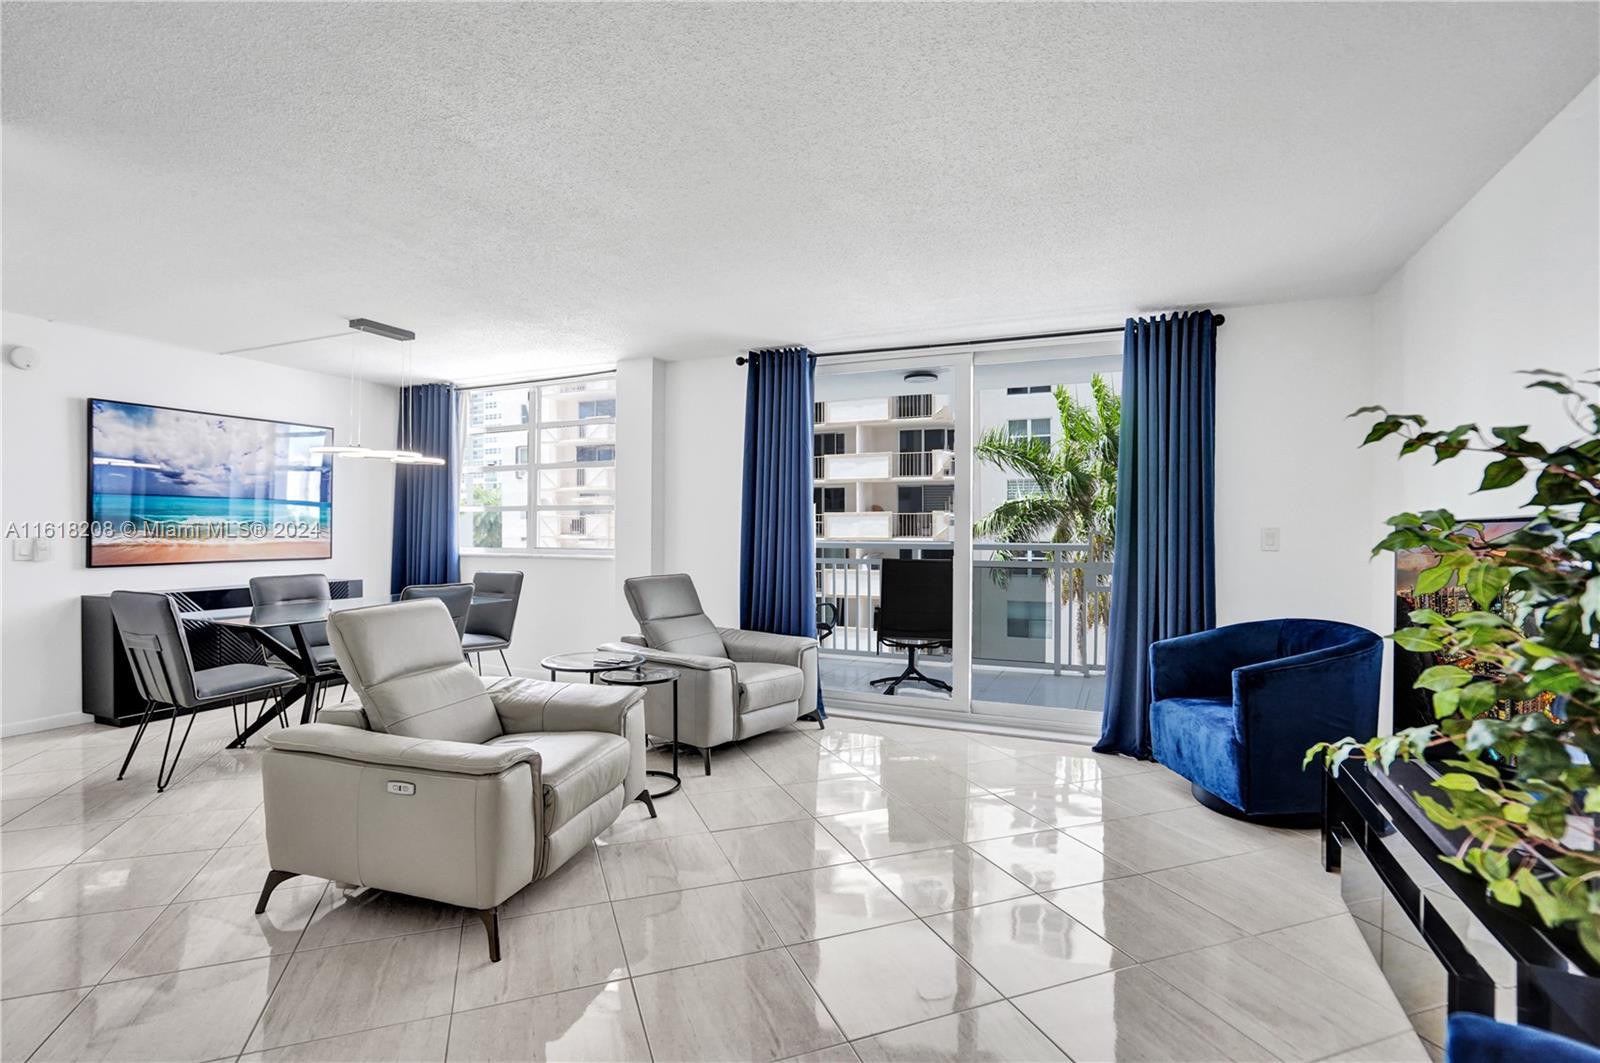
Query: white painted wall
<point x="1511" y="282"/>
<point x="43" y="462"/>
<point x="1287" y="458"/>
<point x="704" y="473"/>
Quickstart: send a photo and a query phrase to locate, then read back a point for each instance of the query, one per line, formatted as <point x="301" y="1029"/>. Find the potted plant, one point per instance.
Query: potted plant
<point x="1523" y="789"/>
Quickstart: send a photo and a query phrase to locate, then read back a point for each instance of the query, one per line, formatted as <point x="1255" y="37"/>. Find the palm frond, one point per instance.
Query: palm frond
<point x="1025" y="457"/>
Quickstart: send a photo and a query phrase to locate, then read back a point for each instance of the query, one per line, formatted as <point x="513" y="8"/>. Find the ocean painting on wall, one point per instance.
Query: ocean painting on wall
<point x="169" y="487"/>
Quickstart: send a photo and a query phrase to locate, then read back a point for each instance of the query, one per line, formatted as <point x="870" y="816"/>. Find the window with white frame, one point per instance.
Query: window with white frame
<point x="538" y="466"/>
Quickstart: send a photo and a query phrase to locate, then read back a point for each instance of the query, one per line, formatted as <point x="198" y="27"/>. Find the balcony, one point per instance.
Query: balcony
<point x="1037" y="608"/>
<point x="900" y="465"/>
<point x="880" y="526"/>
<point x="886" y="409"/>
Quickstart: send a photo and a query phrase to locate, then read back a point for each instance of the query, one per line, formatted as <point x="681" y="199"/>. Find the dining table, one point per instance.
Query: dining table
<point x="267" y="623"/>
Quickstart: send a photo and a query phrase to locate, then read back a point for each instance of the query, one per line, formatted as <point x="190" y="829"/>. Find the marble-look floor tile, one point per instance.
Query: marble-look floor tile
<point x="15" y="885"/>
<point x="728" y="809"/>
<point x="730" y="770"/>
<point x="81" y="759"/>
<point x="83" y="804"/>
<point x="208" y="795"/>
<point x="812" y="766"/>
<point x="1247" y="894"/>
<point x="637" y="869"/>
<point x="899" y="828"/>
<point x="920" y="782"/>
<point x="841" y="1053"/>
<point x="979" y="818"/>
<point x="779" y="848"/>
<point x="994" y="1033"/>
<point x="1142" y="918"/>
<point x="576" y="883"/>
<point x="544" y="953"/>
<point x="832" y="797"/>
<point x="1144" y="792"/>
<point x="877" y="980"/>
<point x="348" y="916"/>
<point x="49" y="846"/>
<point x="15" y="786"/>
<point x="675" y="817"/>
<point x="1401" y="1048"/>
<point x="1026" y="944"/>
<point x="422" y="1041"/>
<point x="253" y="831"/>
<point x="753" y="1008"/>
<point x="692" y="926"/>
<point x="108" y="885"/>
<point x="219" y="930"/>
<point x="348" y="988"/>
<point x="1049" y="860"/>
<point x="842" y="899"/>
<point x="1000" y="773"/>
<point x="941" y="880"/>
<point x="1132" y="1016"/>
<point x="154" y="835"/>
<point x="186" y="1015"/>
<point x="234" y="870"/>
<point x="598" y="1023"/>
<point x="55" y="954"/>
<point x="26" y="1021"/>
<point x="1286" y="1006"/>
<point x="1234" y="836"/>
<point x="1140" y="843"/>
<point x="1062" y="805"/>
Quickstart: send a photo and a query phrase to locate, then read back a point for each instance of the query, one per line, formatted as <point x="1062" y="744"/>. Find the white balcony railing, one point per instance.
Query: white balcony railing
<point x="883" y="408"/>
<point x="1034" y="605"/>
<point x="884" y="525"/>
<point x="885" y="465"/>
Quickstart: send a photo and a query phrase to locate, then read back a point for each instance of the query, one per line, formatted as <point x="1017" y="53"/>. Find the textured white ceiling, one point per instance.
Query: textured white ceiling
<point x="538" y="186"/>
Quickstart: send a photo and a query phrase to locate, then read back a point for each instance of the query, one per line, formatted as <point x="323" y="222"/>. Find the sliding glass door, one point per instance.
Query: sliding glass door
<point x="998" y="470"/>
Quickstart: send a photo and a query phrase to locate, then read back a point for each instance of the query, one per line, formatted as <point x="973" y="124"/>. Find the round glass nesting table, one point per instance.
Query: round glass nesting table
<point x="592" y="662"/>
<point x="640" y="676"/>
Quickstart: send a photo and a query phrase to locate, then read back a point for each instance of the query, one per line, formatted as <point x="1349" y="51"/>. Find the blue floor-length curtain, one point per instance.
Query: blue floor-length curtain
<point x="424" y="495"/>
<point x="777" y="539"/>
<point x="1164" y="583"/>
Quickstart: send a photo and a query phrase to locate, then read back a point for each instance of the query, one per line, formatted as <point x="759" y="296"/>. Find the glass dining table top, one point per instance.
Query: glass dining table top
<point x="288" y="614"/>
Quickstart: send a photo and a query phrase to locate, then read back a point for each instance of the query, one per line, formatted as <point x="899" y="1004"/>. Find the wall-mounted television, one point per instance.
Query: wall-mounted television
<point x="173" y="487"/>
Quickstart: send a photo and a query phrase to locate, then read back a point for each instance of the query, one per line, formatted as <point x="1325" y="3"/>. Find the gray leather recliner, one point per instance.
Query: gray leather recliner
<point x="440" y="785"/>
<point x="733" y="684"/>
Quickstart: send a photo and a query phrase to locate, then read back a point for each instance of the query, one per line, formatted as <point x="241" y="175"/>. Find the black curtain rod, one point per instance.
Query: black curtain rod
<point x="1107" y="331"/>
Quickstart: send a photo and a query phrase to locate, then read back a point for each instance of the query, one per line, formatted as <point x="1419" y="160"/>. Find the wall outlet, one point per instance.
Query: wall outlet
<point x="1269" y="539"/>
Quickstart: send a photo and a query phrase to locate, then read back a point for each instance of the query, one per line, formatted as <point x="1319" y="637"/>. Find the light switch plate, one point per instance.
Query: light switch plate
<point x="1269" y="539"/>
<point x="42" y="549"/>
<point x="22" y="549"/>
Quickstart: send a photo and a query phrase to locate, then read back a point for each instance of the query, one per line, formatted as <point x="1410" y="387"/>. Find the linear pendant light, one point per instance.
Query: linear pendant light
<point x="354" y="448"/>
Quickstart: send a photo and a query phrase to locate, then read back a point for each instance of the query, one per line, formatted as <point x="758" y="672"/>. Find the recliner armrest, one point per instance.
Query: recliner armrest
<point x="419" y="754"/>
<point x="765" y="647"/>
<point x="697" y="662"/>
<point x="533" y="705"/>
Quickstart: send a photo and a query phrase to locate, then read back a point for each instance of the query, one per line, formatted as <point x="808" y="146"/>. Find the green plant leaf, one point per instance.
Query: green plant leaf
<point x="1505" y="891"/>
<point x="1485" y="581"/>
<point x="1502" y="473"/>
<point x="1443" y="677"/>
<point x="1456" y="780"/>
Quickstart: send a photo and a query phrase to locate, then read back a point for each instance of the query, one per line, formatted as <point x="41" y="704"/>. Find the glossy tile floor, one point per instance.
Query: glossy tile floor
<point x="853" y="673"/>
<point x="871" y="891"/>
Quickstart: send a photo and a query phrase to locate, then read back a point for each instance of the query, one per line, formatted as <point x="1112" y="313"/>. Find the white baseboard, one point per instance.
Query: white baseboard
<point x="44" y="723"/>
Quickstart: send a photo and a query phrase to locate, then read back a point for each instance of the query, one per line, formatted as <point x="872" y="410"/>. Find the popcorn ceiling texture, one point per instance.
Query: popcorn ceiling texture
<point x="533" y="186"/>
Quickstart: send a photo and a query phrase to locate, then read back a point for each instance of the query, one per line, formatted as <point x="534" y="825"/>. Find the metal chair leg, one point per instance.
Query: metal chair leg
<point x="649" y="802"/>
<point x="479" y="658"/>
<point x="706" y="752"/>
<point x="163" y="775"/>
<point x="491" y="926"/>
<point x="274" y="879"/>
<point x="504" y="662"/>
<point x="149" y="707"/>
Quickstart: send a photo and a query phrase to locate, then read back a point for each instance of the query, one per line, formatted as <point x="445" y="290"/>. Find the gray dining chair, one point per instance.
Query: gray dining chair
<point x="306" y="587"/>
<point x="489" y="623"/>
<point x="164" y="673"/>
<point x="457" y="597"/>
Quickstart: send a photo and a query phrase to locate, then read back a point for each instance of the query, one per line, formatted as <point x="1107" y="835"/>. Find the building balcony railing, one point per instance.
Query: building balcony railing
<point x="917" y="465"/>
<point x="884" y="409"/>
<point x="1034" y="605"/>
<point x="884" y="525"/>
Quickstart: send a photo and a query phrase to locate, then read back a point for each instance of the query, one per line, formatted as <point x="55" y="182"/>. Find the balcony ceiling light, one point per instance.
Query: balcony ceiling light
<point x="922" y="374"/>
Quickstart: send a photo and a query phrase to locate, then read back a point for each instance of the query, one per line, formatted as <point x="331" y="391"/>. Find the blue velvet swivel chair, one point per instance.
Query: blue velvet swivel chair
<point x="1476" y="1039"/>
<point x="1235" y="708"/>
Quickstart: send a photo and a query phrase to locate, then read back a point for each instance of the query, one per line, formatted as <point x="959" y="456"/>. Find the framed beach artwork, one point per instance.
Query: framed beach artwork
<point x="172" y="487"/>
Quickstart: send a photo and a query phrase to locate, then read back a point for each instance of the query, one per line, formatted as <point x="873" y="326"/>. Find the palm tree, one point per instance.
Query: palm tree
<point x="1075" y="497"/>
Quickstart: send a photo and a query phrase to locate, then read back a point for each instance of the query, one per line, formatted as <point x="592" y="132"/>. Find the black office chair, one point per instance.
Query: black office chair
<point x="827" y="619"/>
<point x="310" y="587"/>
<point x="457" y="597"/>
<point x="164" y="672"/>
<point x="916" y="612"/>
<point x="489" y="623"/>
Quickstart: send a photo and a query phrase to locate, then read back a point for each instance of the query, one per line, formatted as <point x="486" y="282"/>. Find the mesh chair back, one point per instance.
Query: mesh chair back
<point x="157" y="650"/>
<point x="495" y="618"/>
<point x="457" y="597"/>
<point x="918" y="600"/>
